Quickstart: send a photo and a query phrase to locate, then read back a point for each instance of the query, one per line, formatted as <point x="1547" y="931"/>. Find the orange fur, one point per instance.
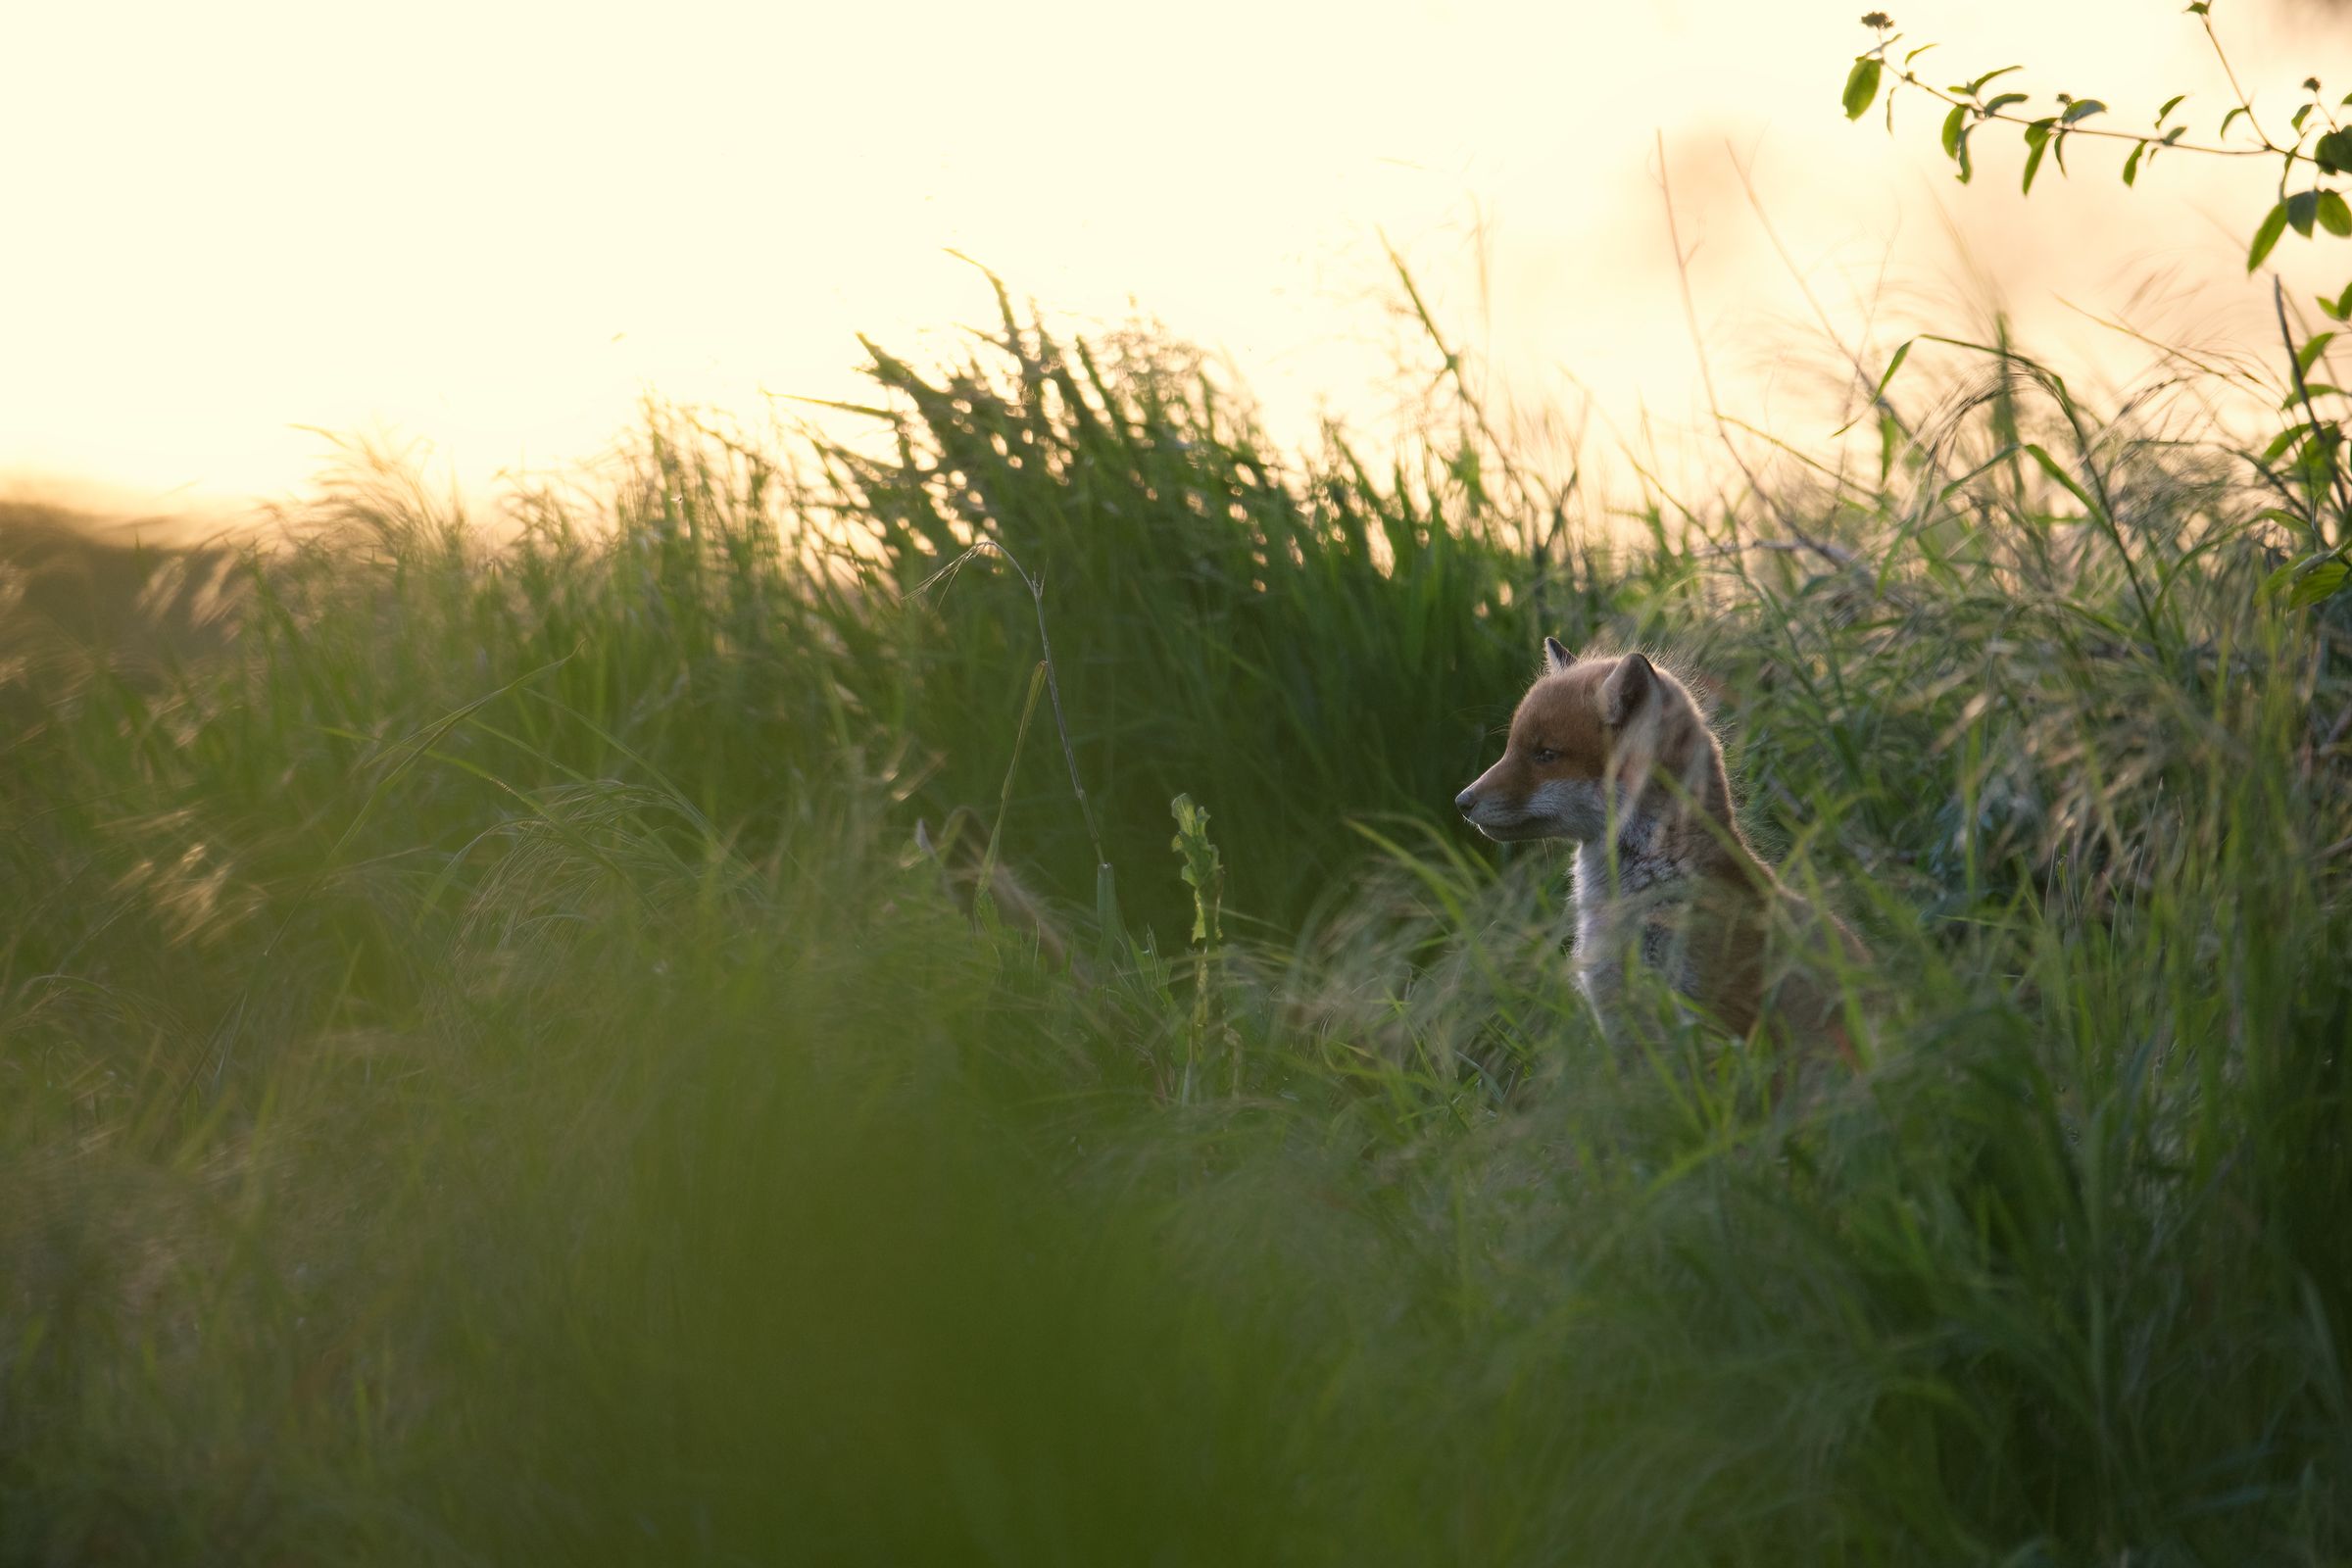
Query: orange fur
<point x="1614" y="753"/>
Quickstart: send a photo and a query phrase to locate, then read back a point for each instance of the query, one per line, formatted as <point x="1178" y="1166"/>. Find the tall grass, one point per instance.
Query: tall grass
<point x="482" y="1078"/>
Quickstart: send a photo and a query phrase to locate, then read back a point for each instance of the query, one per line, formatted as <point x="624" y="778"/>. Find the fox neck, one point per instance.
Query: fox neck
<point x="1673" y="821"/>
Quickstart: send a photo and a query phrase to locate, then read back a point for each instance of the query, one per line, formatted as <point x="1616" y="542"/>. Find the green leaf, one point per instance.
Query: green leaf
<point x="1861" y="87"/>
<point x="1952" y="123"/>
<point x="2280" y="442"/>
<point x="2336" y="215"/>
<point x="2315" y="465"/>
<point x="2082" y="109"/>
<point x="1203" y="868"/>
<point x="2049" y="466"/>
<point x="1916" y="53"/>
<point x="2266" y="238"/>
<point x="1978" y="85"/>
<point x="1894" y="364"/>
<point x="2333" y="152"/>
<point x="2309" y="354"/>
<point x="2001" y="101"/>
<point x="2131" y="164"/>
<point x="2037" y="137"/>
<point x="2170" y="104"/>
<point x="2299" y="116"/>
<point x="2230" y="118"/>
<point x="2303" y="210"/>
<point x="2197" y="9"/>
<point x="2323" y="581"/>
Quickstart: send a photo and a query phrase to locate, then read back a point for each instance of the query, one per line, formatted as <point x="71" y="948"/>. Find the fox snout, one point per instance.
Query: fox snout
<point x="1507" y="804"/>
<point x="1502" y="804"/>
<point x="1486" y="795"/>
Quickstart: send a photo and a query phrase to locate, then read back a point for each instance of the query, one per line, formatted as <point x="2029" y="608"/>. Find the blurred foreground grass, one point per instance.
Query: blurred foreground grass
<point x="481" y="1079"/>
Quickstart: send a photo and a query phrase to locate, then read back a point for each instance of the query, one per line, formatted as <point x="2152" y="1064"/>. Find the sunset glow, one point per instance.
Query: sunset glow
<point x="495" y="229"/>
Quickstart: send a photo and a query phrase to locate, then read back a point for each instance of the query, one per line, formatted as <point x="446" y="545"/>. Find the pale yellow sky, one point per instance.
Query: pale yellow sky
<point x="496" y="225"/>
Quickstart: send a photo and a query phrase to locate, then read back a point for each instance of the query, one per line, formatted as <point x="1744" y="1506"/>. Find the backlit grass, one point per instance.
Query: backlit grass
<point x="483" y="1077"/>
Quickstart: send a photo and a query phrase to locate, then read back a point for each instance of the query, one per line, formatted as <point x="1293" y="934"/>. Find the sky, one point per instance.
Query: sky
<point x="493" y="228"/>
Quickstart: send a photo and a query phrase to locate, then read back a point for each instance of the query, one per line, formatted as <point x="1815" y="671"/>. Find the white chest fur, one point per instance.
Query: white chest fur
<point x="1629" y="909"/>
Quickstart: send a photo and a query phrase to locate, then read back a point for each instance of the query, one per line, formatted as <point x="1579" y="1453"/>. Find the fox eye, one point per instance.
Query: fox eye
<point x="1544" y="754"/>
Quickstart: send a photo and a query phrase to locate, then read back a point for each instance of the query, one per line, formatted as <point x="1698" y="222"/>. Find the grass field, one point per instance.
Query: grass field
<point x="484" y="1077"/>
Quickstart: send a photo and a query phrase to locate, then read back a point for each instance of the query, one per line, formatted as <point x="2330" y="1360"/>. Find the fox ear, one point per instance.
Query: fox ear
<point x="1628" y="687"/>
<point x="1555" y="657"/>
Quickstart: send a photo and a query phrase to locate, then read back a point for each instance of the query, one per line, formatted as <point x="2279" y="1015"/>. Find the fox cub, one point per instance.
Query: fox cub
<point x="1615" y="754"/>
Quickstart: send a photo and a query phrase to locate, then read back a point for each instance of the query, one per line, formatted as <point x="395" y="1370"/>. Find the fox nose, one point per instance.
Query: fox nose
<point x="1466" y="802"/>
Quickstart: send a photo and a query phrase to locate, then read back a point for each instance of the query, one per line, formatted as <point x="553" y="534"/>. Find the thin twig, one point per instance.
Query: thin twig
<point x="2267" y="150"/>
<point x="1061" y="724"/>
<point x="1862" y="375"/>
<point x="1786" y="546"/>
<point x="2205" y="18"/>
<point x="1451" y="361"/>
<point x="2337" y="730"/>
<point x="1706" y="375"/>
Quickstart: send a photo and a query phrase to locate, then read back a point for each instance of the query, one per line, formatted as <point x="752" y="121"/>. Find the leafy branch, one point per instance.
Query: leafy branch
<point x="2304" y="463"/>
<point x="2319" y="139"/>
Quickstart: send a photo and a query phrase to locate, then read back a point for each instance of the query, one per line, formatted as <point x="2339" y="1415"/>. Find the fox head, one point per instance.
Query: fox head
<point x="1590" y="735"/>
